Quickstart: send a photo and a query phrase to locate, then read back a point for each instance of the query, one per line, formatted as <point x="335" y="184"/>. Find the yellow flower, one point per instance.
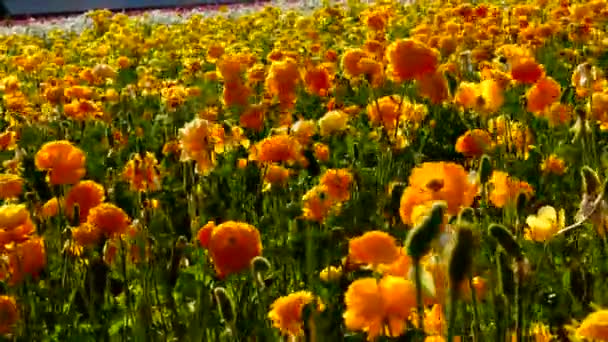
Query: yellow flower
<point x="330" y="273"/>
<point x="286" y="312"/>
<point x="545" y="224"/>
<point x="333" y="121"/>
<point x="595" y="326"/>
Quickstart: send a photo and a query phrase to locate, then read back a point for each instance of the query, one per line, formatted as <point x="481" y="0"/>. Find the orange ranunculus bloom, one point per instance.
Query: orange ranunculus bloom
<point x="317" y="204"/>
<point x="9" y="313"/>
<point x="27" y="258"/>
<point x="253" y="117"/>
<point x="474" y="143"/>
<point x="282" y="79"/>
<point x="437" y="181"/>
<point x="87" y="195"/>
<point x="232" y="245"/>
<point x="15" y="224"/>
<point x="50" y="208"/>
<point x="64" y="162"/>
<point x="276" y="175"/>
<point x="321" y="152"/>
<point x="142" y="173"/>
<point x="526" y="70"/>
<point x="544" y="93"/>
<point x="201" y="140"/>
<point x="110" y="219"/>
<point x="86" y="234"/>
<point x="276" y="149"/>
<point x="594" y="326"/>
<point x="409" y="59"/>
<point x="505" y="189"/>
<point x="350" y="63"/>
<point x="373" y="248"/>
<point x="11" y="186"/>
<point x="318" y="80"/>
<point x="286" y="312"/>
<point x="338" y="183"/>
<point x="386" y="111"/>
<point x="434" y="87"/>
<point x="379" y="307"/>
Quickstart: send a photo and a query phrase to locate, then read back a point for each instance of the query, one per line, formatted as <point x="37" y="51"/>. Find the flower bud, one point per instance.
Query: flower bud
<point x="485" y="169"/>
<point x="506" y="240"/>
<point x="225" y="305"/>
<point x="591" y="181"/>
<point x="461" y="260"/>
<point x="419" y="240"/>
<point x="259" y="267"/>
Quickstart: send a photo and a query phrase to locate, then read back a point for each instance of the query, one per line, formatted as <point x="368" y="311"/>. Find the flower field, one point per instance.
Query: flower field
<point x="433" y="171"/>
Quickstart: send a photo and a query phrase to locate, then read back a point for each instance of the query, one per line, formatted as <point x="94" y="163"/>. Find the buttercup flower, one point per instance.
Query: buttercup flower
<point x="374" y="248"/>
<point x="545" y="224"/>
<point x="379" y="307"/>
<point x="286" y="312"/>
<point x="232" y="245"/>
<point x="64" y="162"/>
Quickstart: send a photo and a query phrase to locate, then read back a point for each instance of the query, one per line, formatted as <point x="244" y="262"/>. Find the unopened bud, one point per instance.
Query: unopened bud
<point x="485" y="169"/>
<point x="259" y="267"/>
<point x="419" y="240"/>
<point x="506" y="240"/>
<point x="461" y="260"/>
<point x="225" y="305"/>
<point x="591" y="181"/>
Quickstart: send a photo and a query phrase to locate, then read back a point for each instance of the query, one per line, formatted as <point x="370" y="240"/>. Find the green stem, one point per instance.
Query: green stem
<point x="452" y="314"/>
<point x="419" y="301"/>
<point x="476" y="324"/>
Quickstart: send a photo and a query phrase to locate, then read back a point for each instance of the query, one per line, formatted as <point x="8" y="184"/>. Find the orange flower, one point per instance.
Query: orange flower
<point x="87" y="195"/>
<point x="559" y="114"/>
<point x="350" y="63"/>
<point x="474" y="143"/>
<point x="276" y="175"/>
<point x="86" y="234"/>
<point x="231" y="68"/>
<point x="8" y="140"/>
<point x="200" y="140"/>
<point x="386" y="111"/>
<point x="27" y="259"/>
<point x="50" y="208"/>
<point x="437" y="181"/>
<point x="317" y="204"/>
<point x="282" y="79"/>
<point x="303" y="130"/>
<point x="553" y="164"/>
<point x="142" y="172"/>
<point x="236" y="93"/>
<point x="491" y="96"/>
<point x="9" y="314"/>
<point x="400" y="267"/>
<point x="15" y="224"/>
<point x="64" y="161"/>
<point x="318" y="80"/>
<point x="526" y="70"/>
<point x="545" y="92"/>
<point x="599" y="107"/>
<point x="338" y="183"/>
<point x="11" y="186"/>
<point x="379" y="307"/>
<point x="374" y="248"/>
<point x="276" y="149"/>
<point x="109" y="219"/>
<point x="321" y="152"/>
<point x="594" y="326"/>
<point x="409" y="59"/>
<point x="253" y="118"/>
<point x="286" y="312"/>
<point x="467" y="95"/>
<point x="232" y="245"/>
<point x="434" y="87"/>
<point x="506" y="189"/>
